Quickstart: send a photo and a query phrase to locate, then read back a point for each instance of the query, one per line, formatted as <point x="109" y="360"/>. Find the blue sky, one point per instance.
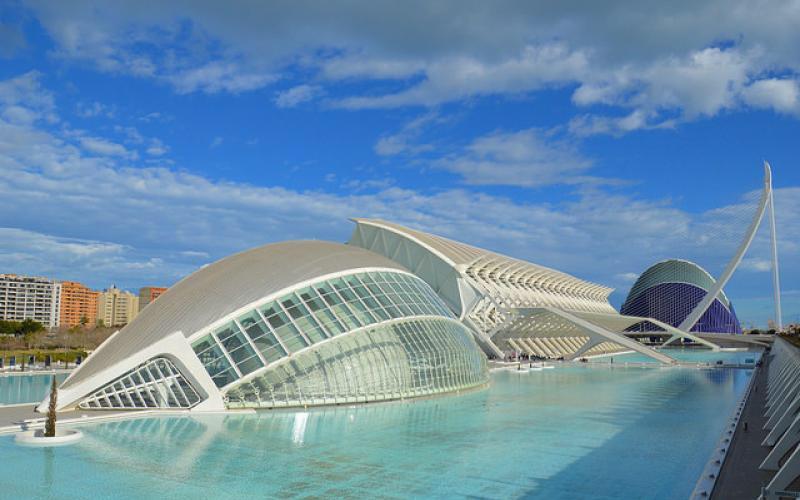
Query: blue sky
<point x="141" y="141"/>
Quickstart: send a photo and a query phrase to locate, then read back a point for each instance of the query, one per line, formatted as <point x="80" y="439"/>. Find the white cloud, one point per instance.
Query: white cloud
<point x="782" y="95"/>
<point x="628" y="277"/>
<point x="216" y="142"/>
<point x="756" y="264"/>
<point x="19" y="114"/>
<point x="156" y="148"/>
<point x="457" y="78"/>
<point x="94" y="109"/>
<point x="359" y="66"/>
<point x="589" y="124"/>
<point x="70" y="248"/>
<point x="25" y="101"/>
<point x="31" y="252"/>
<point x="297" y="95"/>
<point x="218" y="76"/>
<point x="665" y="92"/>
<point x="405" y="140"/>
<point x="195" y="254"/>
<point x="529" y="158"/>
<point x="103" y="147"/>
<point x="654" y="60"/>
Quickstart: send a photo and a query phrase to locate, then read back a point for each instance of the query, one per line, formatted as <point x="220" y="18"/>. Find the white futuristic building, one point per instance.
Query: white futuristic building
<point x="510" y="304"/>
<point x="290" y="324"/>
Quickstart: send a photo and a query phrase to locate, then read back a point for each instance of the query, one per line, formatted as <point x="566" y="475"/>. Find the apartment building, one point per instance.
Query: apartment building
<point x="30" y="297"/>
<point x="78" y="304"/>
<point x="117" y="307"/>
<point x="148" y="294"/>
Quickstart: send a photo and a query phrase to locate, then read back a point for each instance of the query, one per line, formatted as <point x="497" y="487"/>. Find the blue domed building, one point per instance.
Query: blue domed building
<point x="669" y="290"/>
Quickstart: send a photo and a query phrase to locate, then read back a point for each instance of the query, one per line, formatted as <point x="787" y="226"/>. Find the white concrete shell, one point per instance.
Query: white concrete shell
<point x="156" y="357"/>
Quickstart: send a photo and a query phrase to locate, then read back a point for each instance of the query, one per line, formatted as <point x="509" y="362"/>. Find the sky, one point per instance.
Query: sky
<point x="142" y="140"/>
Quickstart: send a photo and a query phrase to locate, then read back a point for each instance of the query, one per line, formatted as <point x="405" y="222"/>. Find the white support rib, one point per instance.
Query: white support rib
<point x="712" y="294"/>
<point x="590" y="343"/>
<point x="781" y="395"/>
<point x="778" y="409"/>
<point x="782" y="423"/>
<point x="596" y="331"/>
<point x="789" y="439"/>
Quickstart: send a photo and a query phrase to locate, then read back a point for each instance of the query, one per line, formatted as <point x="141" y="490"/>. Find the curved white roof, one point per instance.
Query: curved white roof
<point x="221" y="288"/>
<point x="462" y="255"/>
<point x="674" y="271"/>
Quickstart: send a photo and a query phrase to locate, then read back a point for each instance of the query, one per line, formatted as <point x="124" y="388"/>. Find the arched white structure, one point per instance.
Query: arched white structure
<point x="765" y="202"/>
<point x="776" y="281"/>
<point x="290" y="324"/>
<point x="512" y="305"/>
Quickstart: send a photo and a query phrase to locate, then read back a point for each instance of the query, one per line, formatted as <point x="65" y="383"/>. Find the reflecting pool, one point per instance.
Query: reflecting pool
<point x="15" y="389"/>
<point x="570" y="432"/>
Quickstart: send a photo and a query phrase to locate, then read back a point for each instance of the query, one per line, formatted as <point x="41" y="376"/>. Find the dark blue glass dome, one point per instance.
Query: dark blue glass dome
<point x="669" y="290"/>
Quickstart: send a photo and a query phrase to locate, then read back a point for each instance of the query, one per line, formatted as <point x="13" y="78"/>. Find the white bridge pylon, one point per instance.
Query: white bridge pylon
<point x="766" y="201"/>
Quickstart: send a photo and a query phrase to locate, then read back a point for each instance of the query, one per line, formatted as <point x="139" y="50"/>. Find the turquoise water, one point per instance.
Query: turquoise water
<point x="570" y="432"/>
<point x="689" y="355"/>
<point x="16" y="389"/>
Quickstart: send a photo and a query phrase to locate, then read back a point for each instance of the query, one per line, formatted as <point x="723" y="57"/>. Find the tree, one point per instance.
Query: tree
<point x="50" y="424"/>
<point x="30" y="326"/>
<point x="84" y="320"/>
<point x="20" y="329"/>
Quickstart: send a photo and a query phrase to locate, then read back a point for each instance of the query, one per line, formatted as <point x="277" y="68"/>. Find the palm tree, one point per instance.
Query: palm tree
<point x="50" y="424"/>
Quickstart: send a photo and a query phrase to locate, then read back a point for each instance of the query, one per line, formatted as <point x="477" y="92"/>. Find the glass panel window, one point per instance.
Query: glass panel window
<point x="342" y="312"/>
<point x="252" y="324"/>
<point x="291" y="304"/>
<point x="303" y="319"/>
<point x="373" y="309"/>
<point x="131" y="391"/>
<point x="269" y="347"/>
<point x="270" y="310"/>
<point x="410" y="358"/>
<point x="226" y="331"/>
<point x="321" y="312"/>
<point x="250" y="364"/>
<point x="287" y="332"/>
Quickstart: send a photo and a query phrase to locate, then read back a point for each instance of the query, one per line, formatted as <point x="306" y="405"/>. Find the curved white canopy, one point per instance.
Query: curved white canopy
<point x="221" y="288"/>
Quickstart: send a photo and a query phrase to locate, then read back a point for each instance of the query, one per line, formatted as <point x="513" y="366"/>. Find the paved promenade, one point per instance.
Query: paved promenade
<point x="740" y="477"/>
<point x="10" y="415"/>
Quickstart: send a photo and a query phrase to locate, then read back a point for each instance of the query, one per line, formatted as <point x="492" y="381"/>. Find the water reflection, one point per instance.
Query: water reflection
<point x="16" y="389"/>
<point x="536" y="434"/>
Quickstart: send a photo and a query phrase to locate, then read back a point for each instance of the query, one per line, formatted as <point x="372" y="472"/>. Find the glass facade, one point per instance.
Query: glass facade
<point x="154" y="384"/>
<point x="671" y="303"/>
<point x="409" y="358"/>
<point x="311" y="315"/>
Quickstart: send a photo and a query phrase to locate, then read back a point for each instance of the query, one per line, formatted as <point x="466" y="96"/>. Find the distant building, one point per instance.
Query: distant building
<point x="117" y="307"/>
<point x="78" y="304"/>
<point x="148" y="294"/>
<point x="670" y="290"/>
<point x="30" y="297"/>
